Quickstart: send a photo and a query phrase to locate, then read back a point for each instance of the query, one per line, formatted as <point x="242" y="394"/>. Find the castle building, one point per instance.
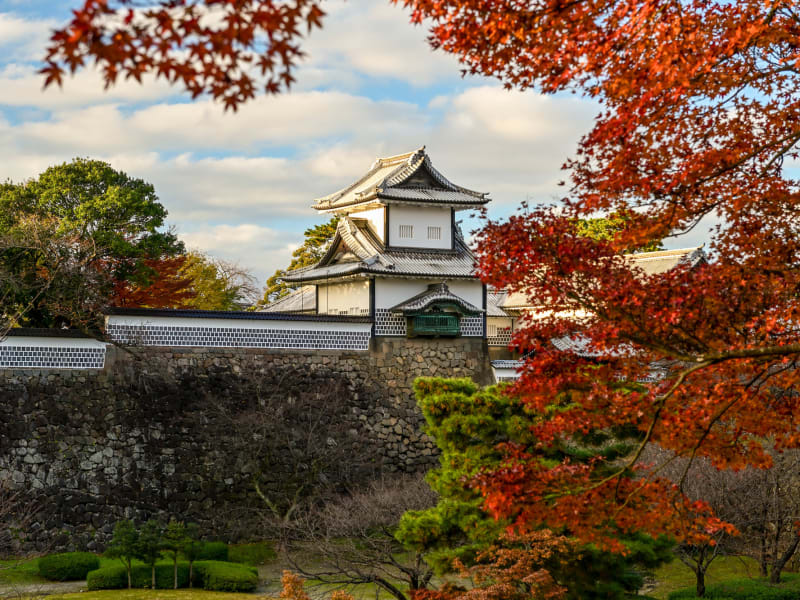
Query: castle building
<point x="398" y="255"/>
<point x="398" y="266"/>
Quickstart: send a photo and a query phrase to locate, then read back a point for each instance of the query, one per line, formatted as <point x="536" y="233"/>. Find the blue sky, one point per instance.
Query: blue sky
<point x="239" y="186"/>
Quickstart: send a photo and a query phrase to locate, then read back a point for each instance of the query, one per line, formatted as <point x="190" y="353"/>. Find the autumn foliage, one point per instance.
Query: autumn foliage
<point x="228" y="49"/>
<point x="167" y="286"/>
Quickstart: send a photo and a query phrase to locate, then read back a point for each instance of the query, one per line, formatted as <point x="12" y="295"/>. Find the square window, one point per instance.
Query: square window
<point x="407" y="231"/>
<point x="434" y="233"/>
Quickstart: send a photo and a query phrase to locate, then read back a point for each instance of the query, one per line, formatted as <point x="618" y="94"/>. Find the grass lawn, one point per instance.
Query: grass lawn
<point x="20" y="572"/>
<point x="676" y="575"/>
<point x="153" y="595"/>
<point x="25" y="571"/>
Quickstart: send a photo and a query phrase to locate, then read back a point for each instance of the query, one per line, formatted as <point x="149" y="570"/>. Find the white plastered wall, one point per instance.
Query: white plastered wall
<point x="420" y="218"/>
<point x="496" y="323"/>
<point x="350" y="298"/>
<point x="391" y="292"/>
<point x="376" y="218"/>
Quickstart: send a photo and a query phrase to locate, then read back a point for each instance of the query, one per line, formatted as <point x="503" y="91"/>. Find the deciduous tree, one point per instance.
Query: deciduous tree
<point x="69" y="235"/>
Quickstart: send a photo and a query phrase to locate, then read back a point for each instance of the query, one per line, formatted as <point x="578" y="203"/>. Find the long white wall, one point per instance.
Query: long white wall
<point x="343" y="298"/>
<point x="238" y="333"/>
<point x="36" y="352"/>
<point x="420" y="218"/>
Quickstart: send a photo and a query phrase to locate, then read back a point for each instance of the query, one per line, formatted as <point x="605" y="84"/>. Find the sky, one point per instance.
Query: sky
<point x="239" y="185"/>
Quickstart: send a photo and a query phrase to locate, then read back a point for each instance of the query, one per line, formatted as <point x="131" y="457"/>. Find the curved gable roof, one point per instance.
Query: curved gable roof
<point x="409" y="177"/>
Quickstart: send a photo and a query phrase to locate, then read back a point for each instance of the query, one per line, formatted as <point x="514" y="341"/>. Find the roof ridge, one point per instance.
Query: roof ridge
<point x="660" y="253"/>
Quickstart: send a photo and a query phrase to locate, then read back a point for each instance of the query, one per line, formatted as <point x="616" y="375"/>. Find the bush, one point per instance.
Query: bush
<point x="116" y="578"/>
<point x="258" y="553"/>
<point x="746" y="589"/>
<point x="225" y="577"/>
<point x="213" y="551"/>
<point x="69" y="566"/>
<point x="208" y="574"/>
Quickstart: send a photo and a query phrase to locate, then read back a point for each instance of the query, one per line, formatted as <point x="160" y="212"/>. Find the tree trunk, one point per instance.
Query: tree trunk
<point x="175" y="572"/>
<point x="153" y="576"/>
<point x="129" y="576"/>
<point x="700" y="574"/>
<point x="191" y="573"/>
<point x="780" y="562"/>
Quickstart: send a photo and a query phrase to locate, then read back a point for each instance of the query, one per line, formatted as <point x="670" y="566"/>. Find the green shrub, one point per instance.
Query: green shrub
<point x="107" y="578"/>
<point x="746" y="589"/>
<point x="213" y="551"/>
<point x="116" y="578"/>
<point x="69" y="566"/>
<point x="257" y="553"/>
<point x="225" y="577"/>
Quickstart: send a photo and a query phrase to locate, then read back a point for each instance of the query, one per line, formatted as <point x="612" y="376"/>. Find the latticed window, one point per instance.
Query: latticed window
<point x="406" y="231"/>
<point x="434" y="233"/>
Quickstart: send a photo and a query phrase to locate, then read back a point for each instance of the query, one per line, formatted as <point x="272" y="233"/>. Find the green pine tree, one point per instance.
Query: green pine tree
<point x="467" y="424"/>
<point x="317" y="240"/>
<point x="124" y="545"/>
<point x="148" y="548"/>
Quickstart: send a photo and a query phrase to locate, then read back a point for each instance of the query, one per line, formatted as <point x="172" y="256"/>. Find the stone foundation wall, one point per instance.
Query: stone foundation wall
<point x="187" y="433"/>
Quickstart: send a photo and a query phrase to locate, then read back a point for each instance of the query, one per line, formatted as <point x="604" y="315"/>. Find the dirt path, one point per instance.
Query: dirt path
<point x="41" y="589"/>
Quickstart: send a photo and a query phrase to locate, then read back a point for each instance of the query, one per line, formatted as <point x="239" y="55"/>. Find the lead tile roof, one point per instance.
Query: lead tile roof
<point x="436" y="293"/>
<point x="371" y="257"/>
<point x="409" y="177"/>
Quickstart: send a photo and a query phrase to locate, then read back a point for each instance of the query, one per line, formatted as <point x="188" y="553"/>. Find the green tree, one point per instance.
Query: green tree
<point x="173" y="541"/>
<point x="148" y="547"/>
<point x="317" y="240"/>
<point x="191" y="547"/>
<point x="124" y="545"/>
<point x="100" y="226"/>
<point x="605" y="228"/>
<point x="469" y="425"/>
<point x="218" y="284"/>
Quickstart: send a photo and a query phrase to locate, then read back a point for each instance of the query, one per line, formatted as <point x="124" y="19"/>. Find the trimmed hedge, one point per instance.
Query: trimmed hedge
<point x="746" y="589"/>
<point x="208" y="574"/>
<point x="69" y="566"/>
<point x="213" y="551"/>
<point x="116" y="577"/>
<point x="220" y="576"/>
<point x="257" y="553"/>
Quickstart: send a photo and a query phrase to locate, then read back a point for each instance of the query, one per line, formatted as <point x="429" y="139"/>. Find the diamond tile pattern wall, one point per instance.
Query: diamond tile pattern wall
<point x="472" y="326"/>
<point x="49" y="357"/>
<point x="387" y="323"/>
<point x="234" y="337"/>
<point x="503" y="337"/>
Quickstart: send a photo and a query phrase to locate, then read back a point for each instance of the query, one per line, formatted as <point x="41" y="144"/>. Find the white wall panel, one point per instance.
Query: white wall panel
<point x="420" y="218"/>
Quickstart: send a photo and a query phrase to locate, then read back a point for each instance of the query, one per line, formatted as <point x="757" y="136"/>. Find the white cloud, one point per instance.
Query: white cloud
<point x="240" y="185"/>
<point x="23" y="39"/>
<point x="252" y="246"/>
<point x="374" y="39"/>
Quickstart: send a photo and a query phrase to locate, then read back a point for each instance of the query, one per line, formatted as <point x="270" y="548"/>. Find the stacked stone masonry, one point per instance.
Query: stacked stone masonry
<point x="151" y="434"/>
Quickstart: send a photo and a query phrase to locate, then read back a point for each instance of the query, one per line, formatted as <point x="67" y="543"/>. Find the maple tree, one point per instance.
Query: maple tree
<point x="470" y="426"/>
<point x="167" y="287"/>
<point x="228" y="49"/>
